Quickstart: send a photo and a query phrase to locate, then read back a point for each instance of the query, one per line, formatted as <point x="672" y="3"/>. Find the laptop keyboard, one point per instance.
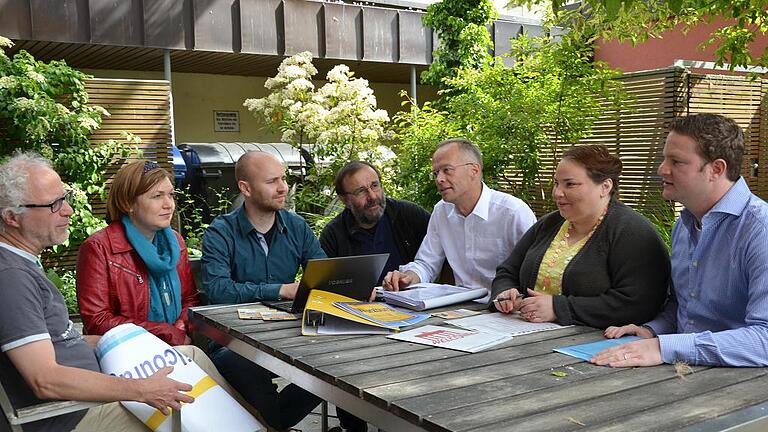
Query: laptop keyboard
<point x="281" y="305"/>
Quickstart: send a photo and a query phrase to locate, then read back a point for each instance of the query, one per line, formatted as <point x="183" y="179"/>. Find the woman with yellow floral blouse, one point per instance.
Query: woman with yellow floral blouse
<point x="593" y="262"/>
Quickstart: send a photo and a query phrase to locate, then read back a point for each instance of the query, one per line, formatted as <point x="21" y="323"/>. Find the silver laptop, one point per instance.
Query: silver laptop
<point x="352" y="276"/>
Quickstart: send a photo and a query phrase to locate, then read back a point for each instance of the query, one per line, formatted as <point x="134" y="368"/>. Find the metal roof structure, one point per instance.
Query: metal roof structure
<point x="233" y="37"/>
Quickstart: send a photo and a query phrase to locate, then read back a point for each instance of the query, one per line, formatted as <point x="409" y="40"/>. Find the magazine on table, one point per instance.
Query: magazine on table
<point x="324" y="316"/>
<point x="424" y="296"/>
<point x="451" y="338"/>
<point x="382" y="313"/>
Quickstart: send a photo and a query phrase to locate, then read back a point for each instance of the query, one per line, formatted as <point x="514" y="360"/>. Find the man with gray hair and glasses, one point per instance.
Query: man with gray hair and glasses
<point x="42" y="355"/>
<point x="473" y="227"/>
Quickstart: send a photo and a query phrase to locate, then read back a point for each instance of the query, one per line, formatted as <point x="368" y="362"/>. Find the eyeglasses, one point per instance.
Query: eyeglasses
<point x="56" y="205"/>
<point x="362" y="190"/>
<point x="447" y="170"/>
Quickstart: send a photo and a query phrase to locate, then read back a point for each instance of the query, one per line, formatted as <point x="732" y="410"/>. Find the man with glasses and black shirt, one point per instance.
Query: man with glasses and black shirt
<point x="474" y="228"/>
<point x="371" y="223"/>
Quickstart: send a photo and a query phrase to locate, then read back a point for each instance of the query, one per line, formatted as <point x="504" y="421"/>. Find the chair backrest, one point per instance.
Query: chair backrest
<point x="15" y="418"/>
<point x="8" y="411"/>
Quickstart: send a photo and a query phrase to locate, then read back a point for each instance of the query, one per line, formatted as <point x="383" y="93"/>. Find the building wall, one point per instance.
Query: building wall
<point x="197" y="96"/>
<point x="661" y="53"/>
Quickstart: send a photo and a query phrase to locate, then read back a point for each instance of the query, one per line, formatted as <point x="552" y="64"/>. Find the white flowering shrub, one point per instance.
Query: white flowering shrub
<point x="338" y="121"/>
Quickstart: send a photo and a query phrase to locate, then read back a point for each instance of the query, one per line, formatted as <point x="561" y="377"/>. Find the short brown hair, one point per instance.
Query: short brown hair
<point x="132" y="180"/>
<point x="599" y="163"/>
<point x="717" y="137"/>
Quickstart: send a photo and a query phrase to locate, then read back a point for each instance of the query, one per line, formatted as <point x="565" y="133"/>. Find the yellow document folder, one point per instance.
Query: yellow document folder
<point x="322" y="316"/>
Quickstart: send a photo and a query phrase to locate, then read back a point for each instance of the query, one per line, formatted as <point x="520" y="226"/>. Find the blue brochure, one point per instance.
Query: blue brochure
<point x="588" y="350"/>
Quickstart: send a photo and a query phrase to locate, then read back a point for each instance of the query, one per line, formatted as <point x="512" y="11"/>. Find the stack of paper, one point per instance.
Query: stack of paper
<point x="451" y="338"/>
<point x="428" y="295"/>
<point x="265" y="313"/>
<point x="475" y="333"/>
<point x="508" y="324"/>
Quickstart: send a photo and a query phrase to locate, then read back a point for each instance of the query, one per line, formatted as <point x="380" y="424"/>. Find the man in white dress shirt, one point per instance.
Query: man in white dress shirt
<point x="473" y="227"/>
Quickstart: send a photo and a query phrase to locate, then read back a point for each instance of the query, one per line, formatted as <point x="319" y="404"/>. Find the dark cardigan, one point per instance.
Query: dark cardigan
<point x="620" y="276"/>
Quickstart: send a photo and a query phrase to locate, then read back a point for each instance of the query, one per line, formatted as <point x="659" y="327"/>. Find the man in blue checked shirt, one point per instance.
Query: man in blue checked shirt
<point x="718" y="310"/>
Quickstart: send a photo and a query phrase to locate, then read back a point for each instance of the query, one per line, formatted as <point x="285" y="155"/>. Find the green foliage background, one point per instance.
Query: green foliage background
<point x="636" y="21"/>
<point x="465" y="42"/>
<point x="552" y="93"/>
<point x="44" y="108"/>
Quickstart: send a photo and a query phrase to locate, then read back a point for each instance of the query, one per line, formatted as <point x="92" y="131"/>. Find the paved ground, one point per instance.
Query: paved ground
<point x="313" y="422"/>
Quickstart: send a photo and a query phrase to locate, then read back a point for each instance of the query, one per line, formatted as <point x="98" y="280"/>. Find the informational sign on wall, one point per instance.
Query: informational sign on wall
<point x="226" y="121"/>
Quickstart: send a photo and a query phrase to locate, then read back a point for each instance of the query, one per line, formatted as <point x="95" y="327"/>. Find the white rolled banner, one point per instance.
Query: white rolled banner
<point x="129" y="351"/>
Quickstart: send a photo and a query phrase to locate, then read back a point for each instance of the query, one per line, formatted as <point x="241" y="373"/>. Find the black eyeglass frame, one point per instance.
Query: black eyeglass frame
<point x="54" y="206"/>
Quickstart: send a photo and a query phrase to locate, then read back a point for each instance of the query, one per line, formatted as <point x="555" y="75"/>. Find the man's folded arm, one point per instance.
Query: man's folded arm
<point x="36" y="363"/>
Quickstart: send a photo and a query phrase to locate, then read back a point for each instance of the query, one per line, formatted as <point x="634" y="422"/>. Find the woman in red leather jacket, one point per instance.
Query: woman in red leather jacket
<point x="136" y="270"/>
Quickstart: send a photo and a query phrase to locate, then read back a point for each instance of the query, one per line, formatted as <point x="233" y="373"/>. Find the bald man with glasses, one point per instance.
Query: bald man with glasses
<point x="473" y="228"/>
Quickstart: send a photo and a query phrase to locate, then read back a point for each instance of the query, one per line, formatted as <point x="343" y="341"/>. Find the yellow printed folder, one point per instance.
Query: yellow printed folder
<point x="322" y="316"/>
<point x="382" y="313"/>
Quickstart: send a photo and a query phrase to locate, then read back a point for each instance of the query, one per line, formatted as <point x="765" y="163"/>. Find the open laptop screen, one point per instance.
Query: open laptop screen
<point x="352" y="276"/>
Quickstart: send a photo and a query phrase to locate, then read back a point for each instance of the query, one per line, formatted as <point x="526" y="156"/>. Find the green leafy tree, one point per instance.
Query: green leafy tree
<point x="636" y="21"/>
<point x="461" y="26"/>
<point x="42" y="103"/>
<point x="418" y="131"/>
<point x="552" y="94"/>
<point x="44" y="107"/>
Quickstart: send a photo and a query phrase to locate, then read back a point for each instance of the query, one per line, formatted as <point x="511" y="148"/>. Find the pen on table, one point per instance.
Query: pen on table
<point x="506" y="299"/>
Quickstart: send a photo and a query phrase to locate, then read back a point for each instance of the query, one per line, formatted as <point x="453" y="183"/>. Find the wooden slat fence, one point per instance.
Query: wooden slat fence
<point x="141" y="107"/>
<point x="637" y="132"/>
<point x="738" y="98"/>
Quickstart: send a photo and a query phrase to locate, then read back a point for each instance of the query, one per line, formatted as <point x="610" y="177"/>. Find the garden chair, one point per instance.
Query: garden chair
<point x="15" y="418"/>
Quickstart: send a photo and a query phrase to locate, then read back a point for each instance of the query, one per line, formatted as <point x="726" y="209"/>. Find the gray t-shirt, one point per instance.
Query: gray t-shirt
<point x="33" y="309"/>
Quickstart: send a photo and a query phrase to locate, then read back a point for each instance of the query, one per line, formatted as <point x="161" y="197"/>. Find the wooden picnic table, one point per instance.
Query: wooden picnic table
<point x="400" y="386"/>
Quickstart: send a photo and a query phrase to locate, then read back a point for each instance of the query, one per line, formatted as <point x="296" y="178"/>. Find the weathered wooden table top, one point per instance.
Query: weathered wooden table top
<point x="508" y="387"/>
